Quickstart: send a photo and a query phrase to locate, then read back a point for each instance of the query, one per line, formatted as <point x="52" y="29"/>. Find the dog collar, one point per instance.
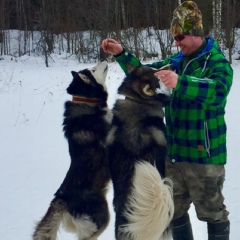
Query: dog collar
<point x="84" y="100"/>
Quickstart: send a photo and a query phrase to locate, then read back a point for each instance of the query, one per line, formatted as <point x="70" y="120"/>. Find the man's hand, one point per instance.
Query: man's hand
<point x="111" y="46"/>
<point x="169" y="78"/>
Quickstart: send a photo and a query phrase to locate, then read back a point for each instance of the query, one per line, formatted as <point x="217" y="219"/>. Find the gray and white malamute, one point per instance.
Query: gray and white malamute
<point x="137" y="151"/>
<point x="80" y="202"/>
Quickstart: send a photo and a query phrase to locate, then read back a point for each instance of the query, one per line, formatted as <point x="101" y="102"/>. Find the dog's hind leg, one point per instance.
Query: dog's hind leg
<point x="48" y="227"/>
<point x="83" y="226"/>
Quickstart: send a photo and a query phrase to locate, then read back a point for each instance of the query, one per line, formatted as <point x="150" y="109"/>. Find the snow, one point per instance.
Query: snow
<point x="34" y="153"/>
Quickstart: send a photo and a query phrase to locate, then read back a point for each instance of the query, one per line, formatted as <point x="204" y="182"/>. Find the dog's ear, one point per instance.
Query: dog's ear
<point x="130" y="68"/>
<point x="134" y="70"/>
<point x="73" y="73"/>
<point x="148" y="90"/>
<point x="84" y="78"/>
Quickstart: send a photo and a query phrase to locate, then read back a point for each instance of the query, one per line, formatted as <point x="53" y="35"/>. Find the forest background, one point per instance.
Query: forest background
<point x="77" y="27"/>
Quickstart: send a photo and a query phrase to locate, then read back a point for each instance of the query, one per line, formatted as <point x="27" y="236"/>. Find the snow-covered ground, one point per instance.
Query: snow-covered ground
<point x="34" y="153"/>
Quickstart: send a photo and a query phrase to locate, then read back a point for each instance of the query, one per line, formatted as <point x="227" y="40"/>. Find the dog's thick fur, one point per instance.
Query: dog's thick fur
<point x="137" y="151"/>
<point x="80" y="202"/>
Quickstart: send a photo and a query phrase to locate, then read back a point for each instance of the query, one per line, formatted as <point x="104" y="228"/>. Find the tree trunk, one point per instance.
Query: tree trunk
<point x="217" y="10"/>
<point x="123" y="14"/>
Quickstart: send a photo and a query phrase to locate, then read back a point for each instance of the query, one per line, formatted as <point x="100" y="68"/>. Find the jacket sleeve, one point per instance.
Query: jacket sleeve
<point x="211" y="89"/>
<point x="126" y="57"/>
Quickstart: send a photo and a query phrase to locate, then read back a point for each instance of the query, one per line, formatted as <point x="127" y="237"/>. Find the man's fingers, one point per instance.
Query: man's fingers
<point x="104" y="45"/>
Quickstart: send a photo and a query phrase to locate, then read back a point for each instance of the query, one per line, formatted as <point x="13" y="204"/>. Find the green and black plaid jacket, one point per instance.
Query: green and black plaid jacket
<point x="196" y="129"/>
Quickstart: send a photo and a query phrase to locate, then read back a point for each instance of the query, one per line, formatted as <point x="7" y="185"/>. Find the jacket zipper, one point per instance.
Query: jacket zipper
<point x="207" y="141"/>
<point x="195" y="59"/>
<point x="205" y="64"/>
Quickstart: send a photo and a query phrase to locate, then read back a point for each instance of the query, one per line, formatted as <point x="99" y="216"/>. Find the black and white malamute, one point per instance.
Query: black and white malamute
<point x="137" y="151"/>
<point x="80" y="202"/>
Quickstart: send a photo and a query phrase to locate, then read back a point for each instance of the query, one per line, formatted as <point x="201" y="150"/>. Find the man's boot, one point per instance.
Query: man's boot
<point x="182" y="229"/>
<point x="219" y="231"/>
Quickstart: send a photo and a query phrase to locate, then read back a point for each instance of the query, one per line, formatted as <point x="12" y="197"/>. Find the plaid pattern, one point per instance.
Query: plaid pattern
<point x="196" y="129"/>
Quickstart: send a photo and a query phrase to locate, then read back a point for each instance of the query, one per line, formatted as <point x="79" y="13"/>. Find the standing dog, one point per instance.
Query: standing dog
<point x="80" y="202"/>
<point x="137" y="151"/>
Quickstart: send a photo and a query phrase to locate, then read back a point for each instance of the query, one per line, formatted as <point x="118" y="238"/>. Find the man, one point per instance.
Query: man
<point x="196" y="129"/>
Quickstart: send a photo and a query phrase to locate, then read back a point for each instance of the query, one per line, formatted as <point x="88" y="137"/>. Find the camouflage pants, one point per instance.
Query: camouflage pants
<point x="201" y="185"/>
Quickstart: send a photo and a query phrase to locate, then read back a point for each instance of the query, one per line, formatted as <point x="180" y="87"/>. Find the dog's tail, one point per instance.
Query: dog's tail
<point x="48" y="227"/>
<point x="150" y="206"/>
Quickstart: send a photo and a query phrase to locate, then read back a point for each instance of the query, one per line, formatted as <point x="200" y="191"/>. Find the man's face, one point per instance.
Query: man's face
<point x="189" y="44"/>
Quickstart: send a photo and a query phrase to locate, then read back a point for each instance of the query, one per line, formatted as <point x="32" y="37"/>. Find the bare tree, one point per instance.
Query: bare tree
<point x="229" y="21"/>
<point x="2" y="26"/>
<point x="217" y="14"/>
<point x="46" y="41"/>
<point x="78" y="28"/>
<point x="4" y="31"/>
<point x="123" y="14"/>
<point x="164" y="38"/>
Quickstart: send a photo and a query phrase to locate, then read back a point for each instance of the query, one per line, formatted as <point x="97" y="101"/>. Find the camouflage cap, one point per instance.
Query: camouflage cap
<point x="187" y="20"/>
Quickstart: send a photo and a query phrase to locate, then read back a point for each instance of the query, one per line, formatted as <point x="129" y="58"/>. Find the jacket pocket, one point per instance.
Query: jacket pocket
<point x="207" y="140"/>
